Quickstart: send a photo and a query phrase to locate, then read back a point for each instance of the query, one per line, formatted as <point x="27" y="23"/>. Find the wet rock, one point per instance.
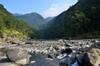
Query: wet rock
<point x="63" y="64"/>
<point x="42" y="61"/>
<point x="49" y="56"/>
<point x="65" y="61"/>
<point x="67" y="51"/>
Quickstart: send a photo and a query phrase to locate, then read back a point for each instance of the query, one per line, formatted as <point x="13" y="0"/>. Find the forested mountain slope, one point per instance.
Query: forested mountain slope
<point x="10" y="26"/>
<point x="35" y="20"/>
<point x="81" y="20"/>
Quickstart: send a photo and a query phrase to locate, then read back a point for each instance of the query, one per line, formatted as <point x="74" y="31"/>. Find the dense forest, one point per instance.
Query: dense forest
<point x="12" y="27"/>
<point x="81" y="20"/>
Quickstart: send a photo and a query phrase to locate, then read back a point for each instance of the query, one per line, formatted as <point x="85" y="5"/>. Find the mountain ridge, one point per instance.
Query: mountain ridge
<point x="33" y="19"/>
<point x="80" y="20"/>
<point x="10" y="26"/>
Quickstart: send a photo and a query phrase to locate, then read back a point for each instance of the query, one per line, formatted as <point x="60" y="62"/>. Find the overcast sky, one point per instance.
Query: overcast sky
<point x="47" y="8"/>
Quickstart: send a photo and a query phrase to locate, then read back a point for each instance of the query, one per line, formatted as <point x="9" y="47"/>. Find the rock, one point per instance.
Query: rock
<point x="96" y="45"/>
<point x="94" y="56"/>
<point x="29" y="42"/>
<point x="8" y="64"/>
<point x="22" y="43"/>
<point x="49" y="56"/>
<point x="91" y="58"/>
<point x="41" y="61"/>
<point x="12" y="40"/>
<point x="67" y="51"/>
<point x="65" y="61"/>
<point x="18" y="56"/>
<point x="75" y="64"/>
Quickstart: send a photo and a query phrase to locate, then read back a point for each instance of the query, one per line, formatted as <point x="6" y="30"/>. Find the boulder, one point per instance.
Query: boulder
<point x="91" y="58"/>
<point x="18" y="56"/>
<point x="94" y="56"/>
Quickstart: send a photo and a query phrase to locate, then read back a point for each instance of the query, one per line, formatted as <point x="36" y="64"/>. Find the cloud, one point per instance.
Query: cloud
<point x="55" y="9"/>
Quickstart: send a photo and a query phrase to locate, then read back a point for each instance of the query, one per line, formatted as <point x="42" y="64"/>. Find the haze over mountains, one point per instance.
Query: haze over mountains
<point x="48" y="19"/>
<point x="35" y="20"/>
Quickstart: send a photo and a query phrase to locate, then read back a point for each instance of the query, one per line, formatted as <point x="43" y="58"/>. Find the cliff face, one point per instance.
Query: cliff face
<point x="80" y="20"/>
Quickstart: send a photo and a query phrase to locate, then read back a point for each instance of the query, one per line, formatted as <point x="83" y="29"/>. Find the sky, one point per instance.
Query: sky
<point x="47" y="8"/>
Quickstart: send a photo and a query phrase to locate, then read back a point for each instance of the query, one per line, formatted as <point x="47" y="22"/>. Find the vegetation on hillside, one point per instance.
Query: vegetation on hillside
<point x="35" y="20"/>
<point x="81" y="20"/>
<point x="12" y="27"/>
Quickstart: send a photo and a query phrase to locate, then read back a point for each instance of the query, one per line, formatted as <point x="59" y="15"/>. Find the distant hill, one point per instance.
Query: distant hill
<point x="10" y="26"/>
<point x="33" y="19"/>
<point x="81" y="20"/>
<point x="49" y="18"/>
<point x="16" y="14"/>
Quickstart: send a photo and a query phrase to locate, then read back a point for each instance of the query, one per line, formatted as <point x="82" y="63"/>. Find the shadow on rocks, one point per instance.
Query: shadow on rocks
<point x="4" y="60"/>
<point x="85" y="61"/>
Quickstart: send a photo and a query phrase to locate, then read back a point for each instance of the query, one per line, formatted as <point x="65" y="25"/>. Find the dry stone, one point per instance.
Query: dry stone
<point x="18" y="56"/>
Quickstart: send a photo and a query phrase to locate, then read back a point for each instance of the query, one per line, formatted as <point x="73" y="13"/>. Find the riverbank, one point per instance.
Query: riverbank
<point x="52" y="52"/>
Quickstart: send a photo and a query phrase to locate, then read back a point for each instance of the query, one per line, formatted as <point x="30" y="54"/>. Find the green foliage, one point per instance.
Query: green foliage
<point x="81" y="20"/>
<point x="10" y="26"/>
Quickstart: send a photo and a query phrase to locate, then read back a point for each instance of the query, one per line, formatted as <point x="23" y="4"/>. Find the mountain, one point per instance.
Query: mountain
<point x="33" y="19"/>
<point x="81" y="20"/>
<point x="16" y="14"/>
<point x="10" y="26"/>
<point x="48" y="19"/>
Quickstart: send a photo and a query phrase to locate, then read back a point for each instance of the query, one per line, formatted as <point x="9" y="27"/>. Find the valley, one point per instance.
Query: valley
<point x="71" y="38"/>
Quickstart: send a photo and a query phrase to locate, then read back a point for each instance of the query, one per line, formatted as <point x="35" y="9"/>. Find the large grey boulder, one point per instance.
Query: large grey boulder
<point x="18" y="56"/>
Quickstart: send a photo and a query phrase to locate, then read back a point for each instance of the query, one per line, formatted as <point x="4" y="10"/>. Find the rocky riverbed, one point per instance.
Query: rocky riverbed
<point x="85" y="52"/>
